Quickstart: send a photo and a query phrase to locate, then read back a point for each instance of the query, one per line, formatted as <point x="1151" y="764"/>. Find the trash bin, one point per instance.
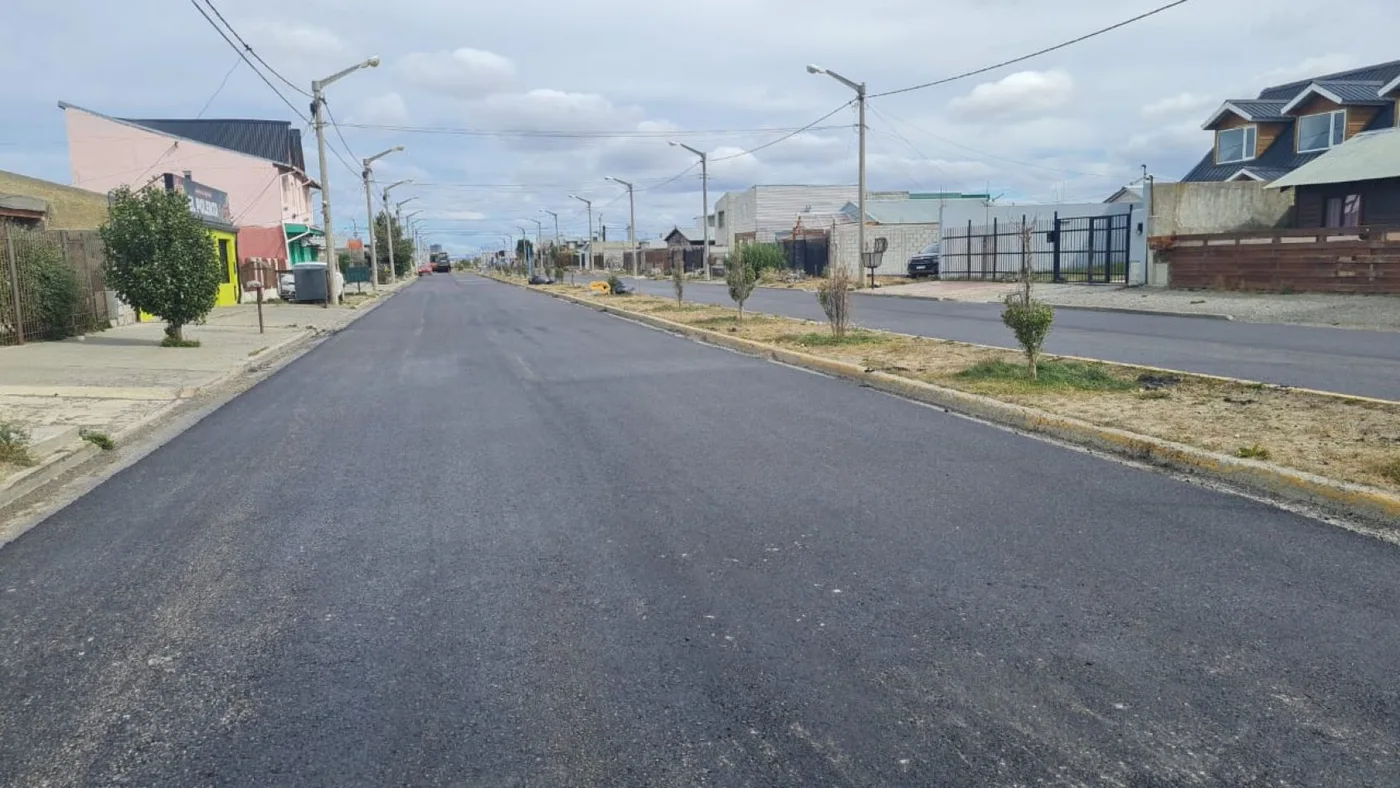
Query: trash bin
<point x="310" y="281"/>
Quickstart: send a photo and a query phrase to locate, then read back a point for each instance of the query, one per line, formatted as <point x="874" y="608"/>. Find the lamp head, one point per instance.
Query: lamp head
<point x="373" y="62"/>
<point x="811" y="69"/>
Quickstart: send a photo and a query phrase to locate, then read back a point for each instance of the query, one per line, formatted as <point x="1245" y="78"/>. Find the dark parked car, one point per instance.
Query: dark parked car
<point x="925" y="263"/>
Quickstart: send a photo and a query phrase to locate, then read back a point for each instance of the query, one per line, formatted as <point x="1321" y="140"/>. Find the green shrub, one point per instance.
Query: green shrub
<point x="614" y="284"/>
<point x="741" y="278"/>
<point x="52" y="296"/>
<point x="1030" y="321"/>
<point x="14" y="444"/>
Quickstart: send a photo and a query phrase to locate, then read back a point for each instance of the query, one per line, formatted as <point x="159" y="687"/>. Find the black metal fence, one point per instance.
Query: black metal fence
<point x="1062" y="249"/>
<point x="809" y="254"/>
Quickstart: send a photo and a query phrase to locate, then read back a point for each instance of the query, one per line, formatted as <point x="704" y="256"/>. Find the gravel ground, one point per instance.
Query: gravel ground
<point x="1318" y="309"/>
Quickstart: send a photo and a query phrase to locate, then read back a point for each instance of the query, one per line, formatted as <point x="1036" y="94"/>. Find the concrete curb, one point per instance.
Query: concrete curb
<point x="1343" y="498"/>
<point x="1113" y="309"/>
<point x="59" y="464"/>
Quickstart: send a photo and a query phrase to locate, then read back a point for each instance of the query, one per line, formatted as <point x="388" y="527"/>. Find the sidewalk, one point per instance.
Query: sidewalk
<point x="1317" y="309"/>
<point x="118" y="381"/>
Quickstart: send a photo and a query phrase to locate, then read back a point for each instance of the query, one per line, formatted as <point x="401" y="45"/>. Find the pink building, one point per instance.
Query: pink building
<point x="258" y="163"/>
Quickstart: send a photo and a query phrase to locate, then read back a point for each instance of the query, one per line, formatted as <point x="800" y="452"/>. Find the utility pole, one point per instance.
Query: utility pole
<point x="529" y="258"/>
<point x="589" y="203"/>
<point x="369" y="216"/>
<point x="539" y="230"/>
<point x="859" y="88"/>
<point x="389" y="224"/>
<point x="704" y="202"/>
<point x="556" y="230"/>
<point x="318" y="101"/>
<point x="632" y="228"/>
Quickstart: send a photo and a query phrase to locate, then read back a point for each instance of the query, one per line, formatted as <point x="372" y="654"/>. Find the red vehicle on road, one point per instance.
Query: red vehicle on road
<point x="424" y="269"/>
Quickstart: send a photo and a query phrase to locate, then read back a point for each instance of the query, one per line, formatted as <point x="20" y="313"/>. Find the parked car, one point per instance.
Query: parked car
<point x="925" y="263"/>
<point x="287" y="287"/>
<point x="425" y="269"/>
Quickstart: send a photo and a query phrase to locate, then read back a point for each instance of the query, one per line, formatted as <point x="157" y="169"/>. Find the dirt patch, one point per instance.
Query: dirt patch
<point x="1338" y="437"/>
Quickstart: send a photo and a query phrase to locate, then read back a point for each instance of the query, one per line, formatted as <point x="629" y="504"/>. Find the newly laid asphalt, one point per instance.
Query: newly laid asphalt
<point x="1364" y="363"/>
<point x="487" y="538"/>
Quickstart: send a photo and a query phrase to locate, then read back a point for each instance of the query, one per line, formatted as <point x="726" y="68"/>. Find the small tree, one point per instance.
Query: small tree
<point x="160" y="259"/>
<point x="403" y="247"/>
<point x="741" y="280"/>
<point x="834" y="294"/>
<point x="1029" y="320"/>
<point x="678" y="279"/>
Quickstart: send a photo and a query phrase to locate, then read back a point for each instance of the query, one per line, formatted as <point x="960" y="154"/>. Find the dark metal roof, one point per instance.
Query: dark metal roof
<point x="1280" y="157"/>
<point x="1354" y="92"/>
<point x="275" y="140"/>
<point x="1262" y="111"/>
<point x="1382" y="72"/>
<point x="1267" y="173"/>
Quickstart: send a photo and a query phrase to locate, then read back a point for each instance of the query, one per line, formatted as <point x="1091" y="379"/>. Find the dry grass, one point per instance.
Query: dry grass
<point x="1337" y="437"/>
<point x="810" y="284"/>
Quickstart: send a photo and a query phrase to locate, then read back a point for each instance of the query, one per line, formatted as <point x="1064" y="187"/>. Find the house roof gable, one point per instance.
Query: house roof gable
<point x="1252" y="110"/>
<point x="1343" y="92"/>
<point x="276" y="141"/>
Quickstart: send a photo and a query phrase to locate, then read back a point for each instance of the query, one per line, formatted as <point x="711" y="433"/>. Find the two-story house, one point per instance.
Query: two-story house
<point x="258" y="164"/>
<point x="1287" y="126"/>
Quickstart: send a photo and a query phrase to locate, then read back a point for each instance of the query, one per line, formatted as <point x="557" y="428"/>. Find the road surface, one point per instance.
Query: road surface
<point x="1364" y="363"/>
<point x="483" y="537"/>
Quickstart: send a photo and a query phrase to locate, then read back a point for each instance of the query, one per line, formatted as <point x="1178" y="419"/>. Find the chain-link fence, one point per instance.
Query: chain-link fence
<point x="51" y="284"/>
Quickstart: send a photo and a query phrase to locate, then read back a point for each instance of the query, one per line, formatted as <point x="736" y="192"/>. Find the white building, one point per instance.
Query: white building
<point x="759" y="212"/>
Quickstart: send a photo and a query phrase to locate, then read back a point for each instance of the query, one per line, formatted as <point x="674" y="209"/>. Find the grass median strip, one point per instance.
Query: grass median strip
<point x="1333" y="436"/>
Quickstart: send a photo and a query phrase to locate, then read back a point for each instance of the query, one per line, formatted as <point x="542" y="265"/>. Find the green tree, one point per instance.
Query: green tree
<point x="160" y="259"/>
<point x="741" y="279"/>
<point x="523" y="249"/>
<point x="403" y="246"/>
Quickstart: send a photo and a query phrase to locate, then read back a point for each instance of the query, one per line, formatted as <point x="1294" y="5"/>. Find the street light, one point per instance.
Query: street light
<point x="318" y="100"/>
<point x="859" y="88"/>
<point x="389" y="223"/>
<point x="369" y="214"/>
<point x="632" y="229"/>
<point x="589" y="203"/>
<point x="408" y="222"/>
<point x="556" y="223"/>
<point x="539" y="230"/>
<point x="704" y="200"/>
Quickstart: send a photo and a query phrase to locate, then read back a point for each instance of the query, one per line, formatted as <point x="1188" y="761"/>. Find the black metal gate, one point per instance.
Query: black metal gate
<point x="1061" y="249"/>
<point x="809" y="255"/>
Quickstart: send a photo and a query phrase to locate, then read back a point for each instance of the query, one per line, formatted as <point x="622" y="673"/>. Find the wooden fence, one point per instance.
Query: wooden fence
<point x="1324" y="260"/>
<point x="26" y="258"/>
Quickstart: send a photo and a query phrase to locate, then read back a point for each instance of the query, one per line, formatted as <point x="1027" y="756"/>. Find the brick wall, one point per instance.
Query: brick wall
<point x="1366" y="260"/>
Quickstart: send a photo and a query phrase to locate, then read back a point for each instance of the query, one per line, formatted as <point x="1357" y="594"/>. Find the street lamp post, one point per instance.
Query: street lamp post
<point x="556" y="224"/>
<point x="318" y="100"/>
<point x="589" y="203"/>
<point x="389" y="224"/>
<point x="529" y="253"/>
<point x="369" y="215"/>
<point x="539" y="230"/>
<point x="412" y="226"/>
<point x="631" y="230"/>
<point x="859" y="88"/>
<point x="704" y="200"/>
<point x="398" y="217"/>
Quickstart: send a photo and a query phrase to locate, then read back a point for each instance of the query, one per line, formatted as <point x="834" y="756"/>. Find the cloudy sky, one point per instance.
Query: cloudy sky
<point x="507" y="108"/>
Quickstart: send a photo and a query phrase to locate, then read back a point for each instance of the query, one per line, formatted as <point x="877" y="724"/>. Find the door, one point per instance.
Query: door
<point x="228" y="266"/>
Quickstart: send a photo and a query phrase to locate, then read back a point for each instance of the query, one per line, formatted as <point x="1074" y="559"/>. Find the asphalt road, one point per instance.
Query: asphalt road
<point x="483" y="537"/>
<point x="1364" y="363"/>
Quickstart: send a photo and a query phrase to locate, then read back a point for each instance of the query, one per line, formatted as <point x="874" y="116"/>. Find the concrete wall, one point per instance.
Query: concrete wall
<point x="905" y="240"/>
<point x="106" y="154"/>
<point x="1193" y="208"/>
<point x="68" y="208"/>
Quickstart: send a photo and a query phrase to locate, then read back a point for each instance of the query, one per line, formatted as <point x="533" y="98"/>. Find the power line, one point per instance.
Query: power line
<point x="250" y="51"/>
<point x="331" y="117"/>
<point x="671" y="179"/>
<point x="1034" y="54"/>
<point x="785" y="137"/>
<point x="261" y="76"/>
<point x="576" y="133"/>
<point x="219" y="89"/>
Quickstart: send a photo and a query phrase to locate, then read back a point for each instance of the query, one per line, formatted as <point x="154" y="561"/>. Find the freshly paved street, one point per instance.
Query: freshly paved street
<point x="483" y="537"/>
<point x="1365" y="363"/>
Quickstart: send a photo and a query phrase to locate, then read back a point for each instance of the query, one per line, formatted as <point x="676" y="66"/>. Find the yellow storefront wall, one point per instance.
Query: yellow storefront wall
<point x="226" y="249"/>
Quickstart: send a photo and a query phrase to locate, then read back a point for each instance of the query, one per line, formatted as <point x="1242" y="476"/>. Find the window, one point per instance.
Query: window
<point x="1322" y="131"/>
<point x="1234" y="145"/>
<point x="1343" y="211"/>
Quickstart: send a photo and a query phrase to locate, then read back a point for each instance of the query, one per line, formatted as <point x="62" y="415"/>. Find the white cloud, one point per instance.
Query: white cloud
<point x="277" y="40"/>
<point x="462" y="73"/>
<point x="458" y="216"/>
<point x="1023" y="94"/>
<point x="1178" y="137"/>
<point x="1314" y="66"/>
<point x="1180" y="104"/>
<point x="388" y="109"/>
